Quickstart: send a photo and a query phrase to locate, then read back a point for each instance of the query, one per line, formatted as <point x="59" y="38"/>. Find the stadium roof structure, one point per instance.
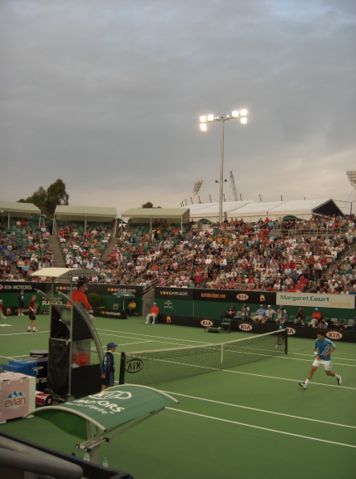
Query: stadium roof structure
<point x="88" y="213"/>
<point x="147" y="215"/>
<point x="254" y="211"/>
<point x="15" y="208"/>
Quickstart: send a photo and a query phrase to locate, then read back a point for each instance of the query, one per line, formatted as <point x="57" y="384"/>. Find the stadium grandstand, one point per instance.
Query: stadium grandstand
<point x="193" y="266"/>
<point x="280" y="246"/>
<point x="24" y="239"/>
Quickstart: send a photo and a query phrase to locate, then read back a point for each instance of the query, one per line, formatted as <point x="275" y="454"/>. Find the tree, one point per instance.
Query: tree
<point x="48" y="200"/>
<point x="38" y="198"/>
<point x="56" y="195"/>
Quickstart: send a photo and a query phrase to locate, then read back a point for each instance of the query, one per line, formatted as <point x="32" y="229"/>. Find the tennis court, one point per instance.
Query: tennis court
<point x="246" y="421"/>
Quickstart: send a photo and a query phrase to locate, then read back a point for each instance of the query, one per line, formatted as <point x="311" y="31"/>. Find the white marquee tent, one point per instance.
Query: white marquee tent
<point x="254" y="211"/>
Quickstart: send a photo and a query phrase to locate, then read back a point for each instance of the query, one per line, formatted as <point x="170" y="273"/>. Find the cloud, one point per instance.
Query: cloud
<point x="106" y="95"/>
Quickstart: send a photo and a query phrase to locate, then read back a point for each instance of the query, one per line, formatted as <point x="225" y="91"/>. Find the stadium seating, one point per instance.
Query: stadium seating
<point x="24" y="249"/>
<point x="316" y="255"/>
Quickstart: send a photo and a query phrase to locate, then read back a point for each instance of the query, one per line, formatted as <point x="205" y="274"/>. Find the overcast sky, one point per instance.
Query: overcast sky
<point x="106" y="94"/>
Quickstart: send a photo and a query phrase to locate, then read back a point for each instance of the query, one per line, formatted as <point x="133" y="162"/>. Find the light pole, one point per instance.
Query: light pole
<point x="240" y="115"/>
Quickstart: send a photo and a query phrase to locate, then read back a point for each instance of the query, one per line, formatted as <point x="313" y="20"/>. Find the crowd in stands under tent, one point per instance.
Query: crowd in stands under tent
<point x="83" y="249"/>
<point x="24" y="246"/>
<point x="239" y="255"/>
<point x="285" y="254"/>
<point x="84" y="234"/>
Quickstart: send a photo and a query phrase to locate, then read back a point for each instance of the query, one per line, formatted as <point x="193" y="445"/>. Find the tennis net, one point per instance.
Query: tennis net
<point x="150" y="367"/>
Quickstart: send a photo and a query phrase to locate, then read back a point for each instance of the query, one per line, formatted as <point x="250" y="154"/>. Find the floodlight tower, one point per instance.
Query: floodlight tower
<point x="352" y="178"/>
<point x="196" y="188"/>
<point x="235" y="196"/>
<point x="240" y="115"/>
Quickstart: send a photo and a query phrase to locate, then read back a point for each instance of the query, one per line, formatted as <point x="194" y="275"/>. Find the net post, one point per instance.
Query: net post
<point x="286" y="341"/>
<point x="122" y="368"/>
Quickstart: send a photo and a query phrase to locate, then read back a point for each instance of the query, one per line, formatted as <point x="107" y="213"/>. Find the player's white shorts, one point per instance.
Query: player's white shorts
<point x="321" y="362"/>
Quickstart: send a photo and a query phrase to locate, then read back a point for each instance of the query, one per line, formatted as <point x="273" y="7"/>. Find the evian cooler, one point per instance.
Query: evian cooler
<point x="17" y="395"/>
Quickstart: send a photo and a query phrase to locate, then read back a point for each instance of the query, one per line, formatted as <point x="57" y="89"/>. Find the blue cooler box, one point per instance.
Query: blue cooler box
<point x="36" y="367"/>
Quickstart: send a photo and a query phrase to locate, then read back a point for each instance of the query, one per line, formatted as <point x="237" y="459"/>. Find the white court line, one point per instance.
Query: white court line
<point x="338" y="358"/>
<point x="234" y="371"/>
<point x="237" y="423"/>
<point x="268" y="356"/>
<point x="284" y="356"/>
<point x="341" y="358"/>
<point x="136" y="342"/>
<point x="173" y="345"/>
<point x="311" y="359"/>
<point x="25" y="333"/>
<point x="163" y="339"/>
<point x="143" y="341"/>
<point x="14" y="357"/>
<point x="223" y="403"/>
<point x="230" y="371"/>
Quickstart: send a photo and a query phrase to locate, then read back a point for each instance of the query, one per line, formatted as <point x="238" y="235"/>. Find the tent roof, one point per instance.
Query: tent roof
<point x="157" y="213"/>
<point x="272" y="209"/>
<point x="258" y="207"/>
<point x="63" y="273"/>
<point x="211" y="210"/>
<point x="19" y="209"/>
<point x="93" y="213"/>
<point x="299" y="207"/>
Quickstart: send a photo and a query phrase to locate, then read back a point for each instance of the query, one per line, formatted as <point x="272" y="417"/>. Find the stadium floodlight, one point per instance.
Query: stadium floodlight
<point x="352" y="177"/>
<point x="197" y="186"/>
<point x="240" y="115"/>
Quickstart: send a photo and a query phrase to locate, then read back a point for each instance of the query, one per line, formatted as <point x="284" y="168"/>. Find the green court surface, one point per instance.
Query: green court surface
<point x="246" y="422"/>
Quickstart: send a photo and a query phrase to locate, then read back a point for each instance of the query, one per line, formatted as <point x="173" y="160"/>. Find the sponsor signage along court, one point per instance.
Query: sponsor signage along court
<point x="17" y="395"/>
<point x="174" y="293"/>
<point x="245" y="327"/>
<point x="341" y="301"/>
<point x="231" y="296"/>
<point x="335" y="335"/>
<point x="206" y="323"/>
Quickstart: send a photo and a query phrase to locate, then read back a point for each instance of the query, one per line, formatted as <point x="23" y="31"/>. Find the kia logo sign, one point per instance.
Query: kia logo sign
<point x="206" y="323"/>
<point x="291" y="331"/>
<point x="134" y="365"/>
<point x="245" y="327"/>
<point x="334" y="335"/>
<point x="242" y="296"/>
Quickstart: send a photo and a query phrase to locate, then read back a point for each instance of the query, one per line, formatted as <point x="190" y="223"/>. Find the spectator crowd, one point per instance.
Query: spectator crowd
<point x="316" y="255"/>
<point x="24" y="249"/>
